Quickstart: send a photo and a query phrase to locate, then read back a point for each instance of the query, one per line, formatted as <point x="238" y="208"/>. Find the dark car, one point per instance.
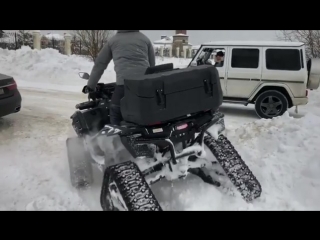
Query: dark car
<point x="10" y="98"/>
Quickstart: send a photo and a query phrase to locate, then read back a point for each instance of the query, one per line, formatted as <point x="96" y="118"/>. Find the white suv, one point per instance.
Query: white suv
<point x="274" y="76"/>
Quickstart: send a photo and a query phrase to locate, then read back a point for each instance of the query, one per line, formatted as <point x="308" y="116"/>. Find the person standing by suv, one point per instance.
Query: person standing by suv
<point x="132" y="53"/>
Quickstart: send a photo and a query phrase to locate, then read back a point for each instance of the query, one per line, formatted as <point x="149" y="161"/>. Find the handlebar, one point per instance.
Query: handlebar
<point x="86" y="105"/>
<point x="103" y="93"/>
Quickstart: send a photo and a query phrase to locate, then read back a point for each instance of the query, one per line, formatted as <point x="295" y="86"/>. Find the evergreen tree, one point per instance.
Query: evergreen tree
<point x="24" y="37"/>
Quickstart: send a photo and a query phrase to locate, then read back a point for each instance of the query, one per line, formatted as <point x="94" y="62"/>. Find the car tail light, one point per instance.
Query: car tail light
<point x="12" y="86"/>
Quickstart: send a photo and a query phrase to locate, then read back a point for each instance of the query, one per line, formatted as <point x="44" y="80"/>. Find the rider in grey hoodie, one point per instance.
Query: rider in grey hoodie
<point x="132" y="53"/>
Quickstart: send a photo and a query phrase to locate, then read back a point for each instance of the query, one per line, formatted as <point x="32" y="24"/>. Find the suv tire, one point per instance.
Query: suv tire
<point x="270" y="104"/>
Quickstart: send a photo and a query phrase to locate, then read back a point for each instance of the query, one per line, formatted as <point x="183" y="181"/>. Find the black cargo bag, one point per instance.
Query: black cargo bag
<point x="164" y="96"/>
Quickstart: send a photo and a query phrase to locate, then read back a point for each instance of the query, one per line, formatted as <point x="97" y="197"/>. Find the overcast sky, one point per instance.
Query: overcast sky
<point x="199" y="36"/>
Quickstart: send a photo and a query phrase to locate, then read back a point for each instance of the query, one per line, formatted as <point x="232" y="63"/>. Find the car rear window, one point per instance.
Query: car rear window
<point x="283" y="59"/>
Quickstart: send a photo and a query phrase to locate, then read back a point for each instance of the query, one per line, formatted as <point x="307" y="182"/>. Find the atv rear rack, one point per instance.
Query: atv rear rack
<point x="131" y="144"/>
<point x="133" y="181"/>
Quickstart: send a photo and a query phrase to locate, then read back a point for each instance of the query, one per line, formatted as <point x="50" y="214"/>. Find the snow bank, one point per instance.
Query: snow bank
<point x="284" y="155"/>
<point x="48" y="69"/>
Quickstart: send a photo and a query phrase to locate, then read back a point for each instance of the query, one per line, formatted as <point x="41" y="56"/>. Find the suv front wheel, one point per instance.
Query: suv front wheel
<point x="270" y="104"/>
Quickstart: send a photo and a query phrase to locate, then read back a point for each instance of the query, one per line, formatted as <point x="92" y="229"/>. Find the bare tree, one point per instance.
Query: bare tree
<point x="311" y="38"/>
<point x="92" y="41"/>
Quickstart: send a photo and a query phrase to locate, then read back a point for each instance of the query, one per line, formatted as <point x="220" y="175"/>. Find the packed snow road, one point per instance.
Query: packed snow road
<point x="34" y="174"/>
<point x="34" y="170"/>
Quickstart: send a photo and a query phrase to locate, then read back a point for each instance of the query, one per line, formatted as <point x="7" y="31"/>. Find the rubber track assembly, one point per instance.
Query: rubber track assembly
<point x="132" y="186"/>
<point x="235" y="168"/>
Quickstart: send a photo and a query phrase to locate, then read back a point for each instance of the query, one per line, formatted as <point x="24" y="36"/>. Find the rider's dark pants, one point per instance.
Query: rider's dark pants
<point x="115" y="111"/>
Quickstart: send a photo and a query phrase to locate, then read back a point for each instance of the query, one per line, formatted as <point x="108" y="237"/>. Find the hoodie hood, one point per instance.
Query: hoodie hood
<point x="124" y="31"/>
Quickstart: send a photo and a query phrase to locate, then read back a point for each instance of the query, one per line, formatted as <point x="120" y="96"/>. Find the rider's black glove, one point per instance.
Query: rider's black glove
<point x="87" y="89"/>
<point x="90" y="91"/>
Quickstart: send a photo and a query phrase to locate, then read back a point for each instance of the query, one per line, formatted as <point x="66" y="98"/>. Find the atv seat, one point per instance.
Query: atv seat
<point x="127" y="124"/>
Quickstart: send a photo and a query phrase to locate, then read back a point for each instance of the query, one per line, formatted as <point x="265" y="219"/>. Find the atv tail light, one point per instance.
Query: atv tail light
<point x="183" y="126"/>
<point x="13" y="85"/>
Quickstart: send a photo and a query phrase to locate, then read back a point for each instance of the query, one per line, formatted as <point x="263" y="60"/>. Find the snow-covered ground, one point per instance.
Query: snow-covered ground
<point x="282" y="153"/>
<point x="48" y="69"/>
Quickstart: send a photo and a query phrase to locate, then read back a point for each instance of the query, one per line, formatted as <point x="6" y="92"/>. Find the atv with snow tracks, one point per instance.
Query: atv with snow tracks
<point x="171" y="128"/>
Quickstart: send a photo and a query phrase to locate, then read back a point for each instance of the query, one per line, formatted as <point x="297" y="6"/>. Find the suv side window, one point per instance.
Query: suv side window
<point x="283" y="59"/>
<point x="245" y="58"/>
<point x="214" y="54"/>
